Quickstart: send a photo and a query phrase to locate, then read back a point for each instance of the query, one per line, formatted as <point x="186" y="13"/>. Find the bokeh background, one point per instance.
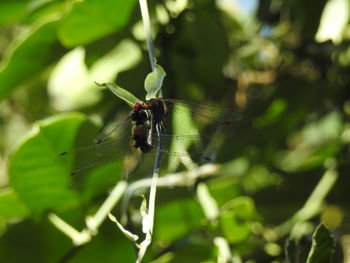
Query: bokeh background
<point x="284" y="64"/>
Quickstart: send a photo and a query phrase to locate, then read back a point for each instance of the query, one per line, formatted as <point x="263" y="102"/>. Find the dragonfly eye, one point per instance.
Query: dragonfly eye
<point x="137" y="107"/>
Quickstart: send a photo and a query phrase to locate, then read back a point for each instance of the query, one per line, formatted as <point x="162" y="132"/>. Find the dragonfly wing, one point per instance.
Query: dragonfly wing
<point x="110" y="147"/>
<point x="204" y="112"/>
<point x="113" y="129"/>
<point x="185" y="149"/>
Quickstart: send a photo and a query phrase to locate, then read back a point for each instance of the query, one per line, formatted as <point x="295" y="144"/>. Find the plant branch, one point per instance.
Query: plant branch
<point x="77" y="237"/>
<point x="182" y="179"/>
<point x="147" y="29"/>
<point x="312" y="206"/>
<point x="148" y="222"/>
<point x="92" y="222"/>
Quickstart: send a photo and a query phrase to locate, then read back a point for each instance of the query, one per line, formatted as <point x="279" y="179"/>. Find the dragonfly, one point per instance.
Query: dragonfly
<point x="147" y="125"/>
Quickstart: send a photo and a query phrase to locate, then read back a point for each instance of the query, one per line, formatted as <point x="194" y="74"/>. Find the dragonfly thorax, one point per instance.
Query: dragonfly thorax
<point x="158" y="109"/>
<point x="146" y="117"/>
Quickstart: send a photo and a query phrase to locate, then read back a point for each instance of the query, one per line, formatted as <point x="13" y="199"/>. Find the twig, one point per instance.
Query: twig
<point x="92" y="222"/>
<point x="147" y="28"/>
<point x="312" y="206"/>
<point x="152" y="200"/>
<point x="77" y="237"/>
<point x="185" y="178"/>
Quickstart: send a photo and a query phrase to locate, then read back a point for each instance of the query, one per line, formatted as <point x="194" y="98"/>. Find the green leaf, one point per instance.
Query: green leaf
<point x="38" y="177"/>
<point x="125" y="95"/>
<point x="236" y="218"/>
<point x="10" y="205"/>
<point x="154" y="81"/>
<point x="12" y="11"/>
<point x="322" y="246"/>
<point x="27" y="56"/>
<point x="175" y="219"/>
<point x="92" y="19"/>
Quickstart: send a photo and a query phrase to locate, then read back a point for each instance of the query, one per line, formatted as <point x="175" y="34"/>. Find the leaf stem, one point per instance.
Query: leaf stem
<point x="147" y="28"/>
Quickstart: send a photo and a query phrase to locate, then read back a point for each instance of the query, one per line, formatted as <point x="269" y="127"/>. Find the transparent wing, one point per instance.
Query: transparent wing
<point x="204" y="113"/>
<point x="113" y="129"/>
<point x="111" y="144"/>
<point x="120" y="148"/>
<point x="114" y="143"/>
<point x="188" y="150"/>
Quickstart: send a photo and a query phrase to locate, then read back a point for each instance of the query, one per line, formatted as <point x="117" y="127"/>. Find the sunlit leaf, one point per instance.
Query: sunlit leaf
<point x="121" y="58"/>
<point x="39" y="179"/>
<point x="332" y="27"/>
<point x="69" y="85"/>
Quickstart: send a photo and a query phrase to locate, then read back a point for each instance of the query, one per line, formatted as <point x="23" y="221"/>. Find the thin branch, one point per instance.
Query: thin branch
<point x="182" y="179"/>
<point x="77" y="237"/>
<point x="152" y="200"/>
<point x="94" y="222"/>
<point x="312" y="205"/>
<point x="147" y="28"/>
<point x="208" y="203"/>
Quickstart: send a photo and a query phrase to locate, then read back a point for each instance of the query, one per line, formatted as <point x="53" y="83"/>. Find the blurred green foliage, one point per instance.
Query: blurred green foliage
<point x="281" y="187"/>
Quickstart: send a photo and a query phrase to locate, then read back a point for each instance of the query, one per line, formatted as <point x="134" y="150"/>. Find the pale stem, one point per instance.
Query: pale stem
<point x="147" y="28"/>
<point x="207" y="202"/>
<point x="224" y="251"/>
<point x="313" y="205"/>
<point x="182" y="179"/>
<point x="152" y="200"/>
<point x="93" y="222"/>
<point x="77" y="237"/>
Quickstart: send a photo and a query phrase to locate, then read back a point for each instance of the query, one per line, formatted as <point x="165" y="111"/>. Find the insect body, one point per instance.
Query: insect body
<point x="144" y="127"/>
<point x="146" y="117"/>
